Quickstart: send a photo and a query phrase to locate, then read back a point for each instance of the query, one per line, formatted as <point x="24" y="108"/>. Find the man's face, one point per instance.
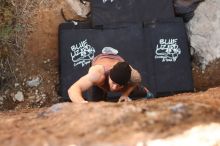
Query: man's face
<point x="114" y="87"/>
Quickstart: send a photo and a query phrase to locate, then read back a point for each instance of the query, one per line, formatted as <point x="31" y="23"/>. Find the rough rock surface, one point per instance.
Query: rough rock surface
<point x="79" y="8"/>
<point x="204" y="32"/>
<point x="155" y="122"/>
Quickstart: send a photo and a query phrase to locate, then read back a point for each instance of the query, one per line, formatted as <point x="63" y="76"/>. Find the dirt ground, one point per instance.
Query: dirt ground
<point x="67" y="124"/>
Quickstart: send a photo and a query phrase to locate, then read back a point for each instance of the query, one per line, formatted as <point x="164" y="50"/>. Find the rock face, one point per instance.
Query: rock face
<point x="79" y="8"/>
<point x="180" y="120"/>
<point x="204" y="32"/>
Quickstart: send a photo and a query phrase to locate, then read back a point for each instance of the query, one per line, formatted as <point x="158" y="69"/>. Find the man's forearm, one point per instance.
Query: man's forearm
<point x="75" y="94"/>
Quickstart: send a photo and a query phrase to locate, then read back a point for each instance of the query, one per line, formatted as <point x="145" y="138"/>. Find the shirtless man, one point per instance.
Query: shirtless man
<point x="108" y="72"/>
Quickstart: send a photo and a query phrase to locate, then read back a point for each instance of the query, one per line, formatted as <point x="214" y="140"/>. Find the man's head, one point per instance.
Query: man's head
<point x="120" y="74"/>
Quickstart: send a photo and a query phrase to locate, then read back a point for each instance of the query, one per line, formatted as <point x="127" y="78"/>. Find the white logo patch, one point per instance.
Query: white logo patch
<point x="104" y="1"/>
<point x="82" y="53"/>
<point x="167" y="50"/>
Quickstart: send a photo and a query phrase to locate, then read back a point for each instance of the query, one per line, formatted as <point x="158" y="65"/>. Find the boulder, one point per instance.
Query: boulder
<point x="79" y="8"/>
<point x="204" y="32"/>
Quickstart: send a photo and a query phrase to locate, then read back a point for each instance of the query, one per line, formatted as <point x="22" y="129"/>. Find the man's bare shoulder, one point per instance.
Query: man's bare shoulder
<point x="135" y="76"/>
<point x="96" y="73"/>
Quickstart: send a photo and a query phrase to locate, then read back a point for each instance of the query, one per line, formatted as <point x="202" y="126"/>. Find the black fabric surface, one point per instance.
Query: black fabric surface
<point x="127" y="39"/>
<point x="168" y="74"/>
<point x="122" y="11"/>
<point x="185" y="9"/>
<point x="137" y="45"/>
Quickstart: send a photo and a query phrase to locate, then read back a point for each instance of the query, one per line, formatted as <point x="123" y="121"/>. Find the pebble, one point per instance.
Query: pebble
<point x="31" y="97"/>
<point x="178" y="108"/>
<point x="38" y="99"/>
<point x="6" y="92"/>
<point x="56" y="107"/>
<point x="152" y="114"/>
<point x="16" y="85"/>
<point x="53" y="109"/>
<point x="1" y="100"/>
<point x="100" y="131"/>
<point x="34" y="82"/>
<point x="36" y="92"/>
<point x="43" y="95"/>
<point x="19" y="96"/>
<point x="141" y="143"/>
<point x="46" y="61"/>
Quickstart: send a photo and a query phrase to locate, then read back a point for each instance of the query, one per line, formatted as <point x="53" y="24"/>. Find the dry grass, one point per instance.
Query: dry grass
<point x="17" y="22"/>
<point x="6" y="39"/>
<point x="15" y="18"/>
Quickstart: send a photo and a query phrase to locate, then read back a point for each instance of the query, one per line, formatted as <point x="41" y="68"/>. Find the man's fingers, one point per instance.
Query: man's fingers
<point x="79" y="100"/>
<point x="124" y="99"/>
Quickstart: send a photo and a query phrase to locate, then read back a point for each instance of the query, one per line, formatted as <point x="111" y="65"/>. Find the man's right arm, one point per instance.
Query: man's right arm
<point x="84" y="83"/>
